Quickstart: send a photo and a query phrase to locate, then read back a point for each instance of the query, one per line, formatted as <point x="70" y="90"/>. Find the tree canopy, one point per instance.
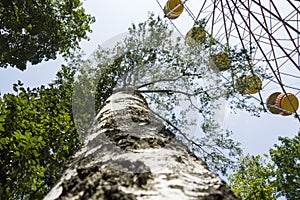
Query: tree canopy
<point x="33" y="31"/>
<point x="252" y="178"/>
<point x="180" y="82"/>
<point x="286" y="158"/>
<point x="276" y="174"/>
<point x="37" y="135"/>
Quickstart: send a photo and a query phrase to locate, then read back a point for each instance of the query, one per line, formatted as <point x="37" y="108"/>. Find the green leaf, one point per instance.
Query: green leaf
<point x="17" y="153"/>
<point x="2" y="128"/>
<point x="40" y="138"/>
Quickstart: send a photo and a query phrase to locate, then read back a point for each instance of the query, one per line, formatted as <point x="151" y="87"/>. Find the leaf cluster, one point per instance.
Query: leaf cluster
<point x="37" y="135"/>
<point x="271" y="176"/>
<point x="32" y="30"/>
<point x="286" y="158"/>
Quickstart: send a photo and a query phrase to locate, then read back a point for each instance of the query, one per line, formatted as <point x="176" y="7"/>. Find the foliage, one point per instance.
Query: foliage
<point x="32" y="30"/>
<point x="179" y="82"/>
<point x="252" y="178"/>
<point x="37" y="135"/>
<point x="286" y="158"/>
<point x="258" y="178"/>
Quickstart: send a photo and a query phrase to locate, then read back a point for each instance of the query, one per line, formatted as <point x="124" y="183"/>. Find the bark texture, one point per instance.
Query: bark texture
<point x="129" y="154"/>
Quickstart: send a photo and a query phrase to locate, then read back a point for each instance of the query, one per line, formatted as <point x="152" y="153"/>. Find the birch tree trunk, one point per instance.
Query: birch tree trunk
<point x="129" y="154"/>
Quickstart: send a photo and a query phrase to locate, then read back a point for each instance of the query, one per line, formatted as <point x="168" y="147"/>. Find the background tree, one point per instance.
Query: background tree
<point x="286" y="158"/>
<point x="277" y="175"/>
<point x="37" y="135"/>
<point x="33" y="31"/>
<point x="252" y="178"/>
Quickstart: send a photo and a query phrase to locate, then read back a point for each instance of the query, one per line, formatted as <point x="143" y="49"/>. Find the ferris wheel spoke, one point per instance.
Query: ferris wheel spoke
<point x="291" y="75"/>
<point x="286" y="28"/>
<point x="227" y="31"/>
<point x="294" y="7"/>
<point x="261" y="49"/>
<point x="271" y="44"/>
<point x="213" y="18"/>
<point x="201" y="10"/>
<point x="272" y="37"/>
<point x="235" y="24"/>
<point x="277" y="17"/>
<point x="264" y="35"/>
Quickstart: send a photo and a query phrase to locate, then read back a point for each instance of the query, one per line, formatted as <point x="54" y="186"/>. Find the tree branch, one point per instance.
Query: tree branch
<point x="180" y="132"/>
<point x="169" y="79"/>
<point x="172" y="92"/>
<point x="160" y="80"/>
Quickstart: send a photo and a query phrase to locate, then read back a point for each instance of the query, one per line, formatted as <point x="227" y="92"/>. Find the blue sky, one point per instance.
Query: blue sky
<point x="113" y="17"/>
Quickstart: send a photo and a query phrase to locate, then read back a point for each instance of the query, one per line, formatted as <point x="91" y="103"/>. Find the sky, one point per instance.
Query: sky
<point x="113" y="17"/>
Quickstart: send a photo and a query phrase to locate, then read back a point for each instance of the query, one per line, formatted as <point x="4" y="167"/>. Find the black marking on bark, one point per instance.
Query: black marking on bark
<point x="103" y="181"/>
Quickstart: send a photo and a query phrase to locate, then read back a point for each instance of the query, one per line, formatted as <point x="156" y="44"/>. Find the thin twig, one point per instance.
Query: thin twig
<point x="180" y="132"/>
<point x="160" y="80"/>
<point x="172" y="92"/>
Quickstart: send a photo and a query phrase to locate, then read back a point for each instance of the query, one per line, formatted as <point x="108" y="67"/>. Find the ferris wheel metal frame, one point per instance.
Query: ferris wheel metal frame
<point x="271" y="27"/>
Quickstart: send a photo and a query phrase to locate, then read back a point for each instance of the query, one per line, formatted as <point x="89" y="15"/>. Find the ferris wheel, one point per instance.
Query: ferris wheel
<point x="270" y="28"/>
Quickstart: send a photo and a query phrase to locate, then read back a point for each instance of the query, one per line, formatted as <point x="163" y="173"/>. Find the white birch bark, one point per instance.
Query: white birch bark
<point x="129" y="154"/>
